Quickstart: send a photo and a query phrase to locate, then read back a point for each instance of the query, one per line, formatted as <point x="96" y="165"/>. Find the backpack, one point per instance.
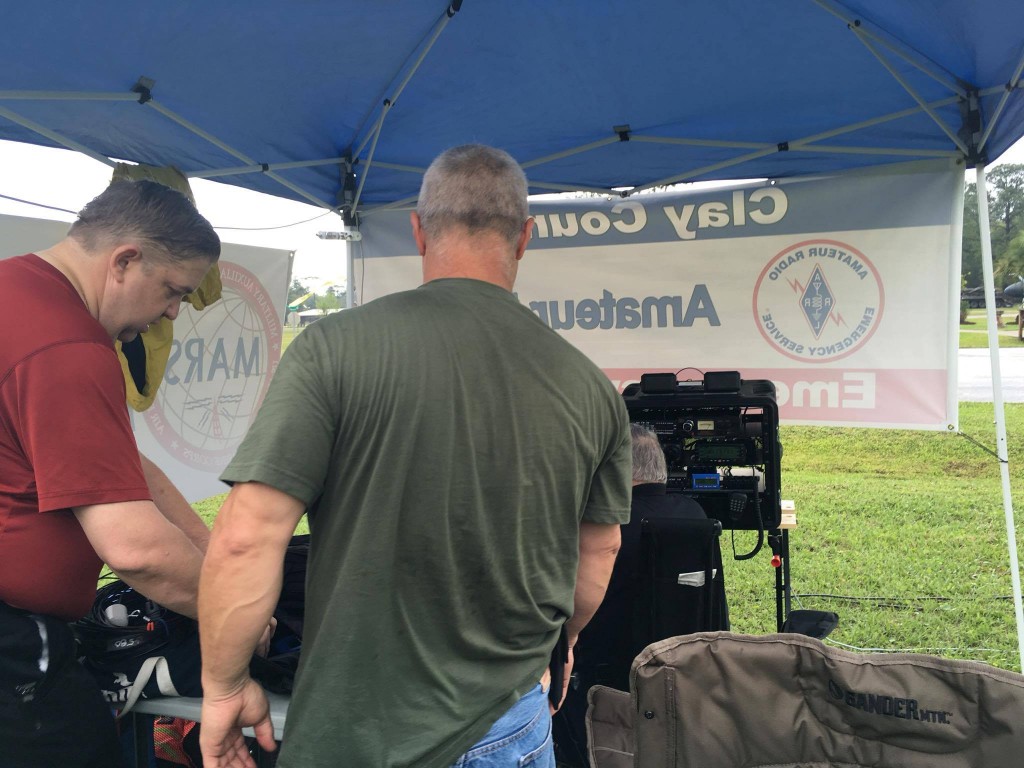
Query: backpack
<point x="135" y="648"/>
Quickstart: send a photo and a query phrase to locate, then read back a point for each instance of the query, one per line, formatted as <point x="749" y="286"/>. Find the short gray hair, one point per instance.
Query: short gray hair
<point x="476" y="187"/>
<point x="648" y="458"/>
<point x="151" y="212"/>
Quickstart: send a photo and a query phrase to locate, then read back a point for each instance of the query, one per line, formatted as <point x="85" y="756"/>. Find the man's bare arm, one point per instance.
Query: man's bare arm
<point x="239" y="588"/>
<point x="146" y="550"/>
<point x="173" y="505"/>
<point x="241" y="579"/>
<point x="599" y="545"/>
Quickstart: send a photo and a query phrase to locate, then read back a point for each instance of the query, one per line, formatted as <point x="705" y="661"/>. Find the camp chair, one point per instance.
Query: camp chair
<point x="718" y="700"/>
<point x="668" y="583"/>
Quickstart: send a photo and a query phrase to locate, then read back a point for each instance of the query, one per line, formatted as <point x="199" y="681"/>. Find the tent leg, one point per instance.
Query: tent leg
<point x="997" y="402"/>
<point x="350" y="277"/>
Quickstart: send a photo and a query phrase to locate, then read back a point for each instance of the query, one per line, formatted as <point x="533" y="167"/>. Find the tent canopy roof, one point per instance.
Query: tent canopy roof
<point x="587" y="95"/>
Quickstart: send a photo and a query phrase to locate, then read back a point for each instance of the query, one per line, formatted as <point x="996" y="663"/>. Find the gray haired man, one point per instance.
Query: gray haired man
<point x="465" y="471"/>
<point x="74" y="490"/>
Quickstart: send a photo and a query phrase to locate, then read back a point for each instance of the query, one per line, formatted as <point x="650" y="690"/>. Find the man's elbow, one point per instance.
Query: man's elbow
<point x="133" y="562"/>
<point x="600" y="540"/>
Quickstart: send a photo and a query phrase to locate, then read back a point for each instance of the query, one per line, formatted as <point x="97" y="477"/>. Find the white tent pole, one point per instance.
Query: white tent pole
<point x="570" y="152"/>
<point x="997" y="402"/>
<point x="239" y="170"/>
<point x="350" y="275"/>
<point x="791" y="145"/>
<point x="914" y="95"/>
<point x="956" y="239"/>
<point x="188" y="125"/>
<point x="67" y="96"/>
<point x="706" y="169"/>
<point x="1013" y="83"/>
<point x="53" y="136"/>
<point x="857" y="26"/>
<point x="389" y="102"/>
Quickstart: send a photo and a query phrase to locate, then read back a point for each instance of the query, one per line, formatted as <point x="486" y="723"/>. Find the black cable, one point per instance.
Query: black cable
<point x="239" y="229"/>
<point x="875" y="598"/>
<point x="760" y="533"/>
<point x="985" y="448"/>
<point x="282" y="226"/>
<point x="38" y="205"/>
<point x="690" y="368"/>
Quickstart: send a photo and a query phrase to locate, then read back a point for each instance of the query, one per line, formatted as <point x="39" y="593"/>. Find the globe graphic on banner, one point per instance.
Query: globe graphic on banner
<point x="221" y="362"/>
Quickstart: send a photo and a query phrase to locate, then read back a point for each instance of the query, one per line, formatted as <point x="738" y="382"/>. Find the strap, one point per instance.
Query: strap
<point x="154" y="664"/>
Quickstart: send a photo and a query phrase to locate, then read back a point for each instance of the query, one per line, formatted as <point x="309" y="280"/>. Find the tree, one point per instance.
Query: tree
<point x="1006" y="223"/>
<point x="1006" y="204"/>
<point x="970" y="264"/>
<point x="327" y="301"/>
<point x="1010" y="265"/>
<point x="296" y="291"/>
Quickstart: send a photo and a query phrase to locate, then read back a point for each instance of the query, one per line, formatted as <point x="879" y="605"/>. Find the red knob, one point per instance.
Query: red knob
<point x="776" y="561"/>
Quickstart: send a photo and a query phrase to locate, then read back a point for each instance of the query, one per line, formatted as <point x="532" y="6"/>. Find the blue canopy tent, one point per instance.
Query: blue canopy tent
<point x="343" y="104"/>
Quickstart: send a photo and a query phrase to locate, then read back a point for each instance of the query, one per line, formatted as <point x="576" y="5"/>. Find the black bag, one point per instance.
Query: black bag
<point x="136" y="648"/>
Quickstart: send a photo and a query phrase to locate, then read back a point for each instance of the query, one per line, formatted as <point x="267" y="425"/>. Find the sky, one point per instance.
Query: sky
<point x="65" y="179"/>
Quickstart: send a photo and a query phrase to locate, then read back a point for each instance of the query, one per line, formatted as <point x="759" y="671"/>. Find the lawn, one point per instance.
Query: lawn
<point x="974" y="332"/>
<point x="901" y="533"/>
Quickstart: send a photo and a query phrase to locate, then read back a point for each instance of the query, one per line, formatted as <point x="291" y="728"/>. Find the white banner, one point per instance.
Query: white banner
<point x="843" y="290"/>
<point x="220" y="365"/>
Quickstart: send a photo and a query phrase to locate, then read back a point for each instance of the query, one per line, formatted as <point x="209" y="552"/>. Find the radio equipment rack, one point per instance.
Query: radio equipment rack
<point x="721" y="442"/>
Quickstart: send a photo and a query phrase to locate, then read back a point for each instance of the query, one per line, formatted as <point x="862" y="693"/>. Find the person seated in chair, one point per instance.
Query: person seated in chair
<point x="650" y="500"/>
<point x="650" y="492"/>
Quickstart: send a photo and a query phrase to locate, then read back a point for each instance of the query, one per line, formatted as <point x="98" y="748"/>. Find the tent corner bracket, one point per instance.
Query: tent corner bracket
<point x="144" y="87"/>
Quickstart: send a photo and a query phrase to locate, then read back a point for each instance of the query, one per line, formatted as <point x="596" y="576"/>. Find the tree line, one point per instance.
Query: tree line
<point x="332" y="298"/>
<point x="1006" y="221"/>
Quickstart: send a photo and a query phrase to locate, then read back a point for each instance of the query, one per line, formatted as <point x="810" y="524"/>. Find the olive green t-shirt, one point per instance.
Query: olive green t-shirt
<point x="447" y="445"/>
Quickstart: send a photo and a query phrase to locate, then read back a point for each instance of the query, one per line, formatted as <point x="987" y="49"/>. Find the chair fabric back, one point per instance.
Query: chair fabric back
<point x="720" y="700"/>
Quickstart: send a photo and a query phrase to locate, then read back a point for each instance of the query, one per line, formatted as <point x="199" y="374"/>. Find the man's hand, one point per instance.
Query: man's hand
<point x="566" y="675"/>
<point x="223" y="718"/>
<point x="263" y="646"/>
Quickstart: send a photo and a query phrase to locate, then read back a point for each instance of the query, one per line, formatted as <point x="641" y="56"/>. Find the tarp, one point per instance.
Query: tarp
<point x="287" y="98"/>
<point x="220" y="364"/>
<point x="843" y="290"/>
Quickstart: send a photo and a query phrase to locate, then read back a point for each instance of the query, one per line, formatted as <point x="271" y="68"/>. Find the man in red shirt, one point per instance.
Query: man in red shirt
<point x="73" y="491"/>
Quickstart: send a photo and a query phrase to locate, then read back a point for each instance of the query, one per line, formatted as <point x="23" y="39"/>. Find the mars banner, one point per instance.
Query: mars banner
<point x="218" y="371"/>
<point x="842" y="290"/>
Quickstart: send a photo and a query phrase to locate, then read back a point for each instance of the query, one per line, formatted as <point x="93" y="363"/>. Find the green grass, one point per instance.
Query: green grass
<point x="974" y="333"/>
<point x="911" y="521"/>
<point x="287" y="336"/>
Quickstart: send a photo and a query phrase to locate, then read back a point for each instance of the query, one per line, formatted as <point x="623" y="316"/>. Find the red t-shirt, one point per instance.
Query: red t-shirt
<point x="65" y="439"/>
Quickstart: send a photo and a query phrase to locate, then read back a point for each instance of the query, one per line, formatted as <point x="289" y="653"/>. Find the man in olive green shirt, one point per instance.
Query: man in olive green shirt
<point x="465" y="471"/>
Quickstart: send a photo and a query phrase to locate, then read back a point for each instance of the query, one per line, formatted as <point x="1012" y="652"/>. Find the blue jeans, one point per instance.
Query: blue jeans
<point x="521" y="738"/>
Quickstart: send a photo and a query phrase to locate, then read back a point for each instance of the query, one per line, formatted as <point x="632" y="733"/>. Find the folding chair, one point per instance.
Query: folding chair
<point x="718" y="700"/>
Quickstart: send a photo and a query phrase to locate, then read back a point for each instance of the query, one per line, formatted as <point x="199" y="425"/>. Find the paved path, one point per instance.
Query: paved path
<point x="975" y="375"/>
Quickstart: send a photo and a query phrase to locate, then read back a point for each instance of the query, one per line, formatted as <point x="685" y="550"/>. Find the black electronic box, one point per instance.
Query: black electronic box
<point x="721" y="442"/>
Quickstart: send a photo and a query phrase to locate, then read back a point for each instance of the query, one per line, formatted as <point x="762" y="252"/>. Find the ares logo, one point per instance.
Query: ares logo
<point x="218" y="371"/>
<point x="818" y="301"/>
